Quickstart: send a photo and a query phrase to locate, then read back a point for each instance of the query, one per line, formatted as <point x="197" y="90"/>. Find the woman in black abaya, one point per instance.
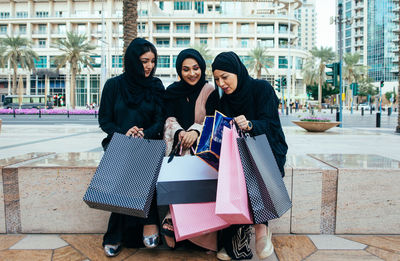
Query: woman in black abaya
<point x="254" y="106"/>
<point x="132" y="104"/>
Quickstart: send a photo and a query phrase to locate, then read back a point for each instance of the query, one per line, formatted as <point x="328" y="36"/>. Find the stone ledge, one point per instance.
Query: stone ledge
<point x="44" y="195"/>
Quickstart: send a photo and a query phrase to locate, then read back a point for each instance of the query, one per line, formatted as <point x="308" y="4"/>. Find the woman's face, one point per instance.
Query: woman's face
<point x="226" y="81"/>
<point x="191" y="71"/>
<point x="148" y="60"/>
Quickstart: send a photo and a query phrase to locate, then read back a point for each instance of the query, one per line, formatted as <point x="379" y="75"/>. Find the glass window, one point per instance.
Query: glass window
<point x="269" y="43"/>
<point x="182" y="5"/>
<point x="22" y="29"/>
<point x="224" y="42"/>
<point x="299" y="63"/>
<point x="163" y="61"/>
<point x="283" y="28"/>
<point x="53" y="62"/>
<point x="42" y="43"/>
<point x="42" y="62"/>
<point x="203" y="28"/>
<point x="244" y="43"/>
<point x="60" y="13"/>
<point x="183" y="28"/>
<point x="42" y="14"/>
<point x="117" y="61"/>
<point x="182" y="42"/>
<point x="3" y="29"/>
<point x="244" y="28"/>
<point x="270" y="62"/>
<point x="265" y="28"/>
<point x="283" y="62"/>
<point x="348" y="33"/>
<point x="224" y="27"/>
<point x="162" y="42"/>
<point x="199" y="6"/>
<point x="22" y="14"/>
<point x="203" y="41"/>
<point x="348" y="41"/>
<point x="245" y="59"/>
<point x="142" y="28"/>
<point x="161" y="5"/>
<point x="283" y="43"/>
<point x="162" y="28"/>
<point x="62" y="28"/>
<point x="4" y="15"/>
<point x="96" y="61"/>
<point x="174" y="60"/>
<point x="81" y="28"/>
<point x="348" y="5"/>
<point x="81" y="91"/>
<point x="42" y="28"/>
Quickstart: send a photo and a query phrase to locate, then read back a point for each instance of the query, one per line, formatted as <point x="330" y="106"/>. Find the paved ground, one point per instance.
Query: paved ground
<point x="80" y="247"/>
<point x="18" y="139"/>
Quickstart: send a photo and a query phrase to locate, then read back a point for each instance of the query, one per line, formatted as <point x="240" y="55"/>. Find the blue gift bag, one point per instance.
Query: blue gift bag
<point x="209" y="146"/>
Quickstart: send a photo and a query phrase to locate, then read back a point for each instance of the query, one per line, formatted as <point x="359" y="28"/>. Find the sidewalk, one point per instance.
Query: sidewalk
<point x="82" y="247"/>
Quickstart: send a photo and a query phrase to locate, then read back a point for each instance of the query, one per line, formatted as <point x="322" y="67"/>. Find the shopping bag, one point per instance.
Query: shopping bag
<point x="209" y="146"/>
<point x="232" y="202"/>
<point x="192" y="220"/>
<point x="268" y="196"/>
<point x="186" y="179"/>
<point x="125" y="179"/>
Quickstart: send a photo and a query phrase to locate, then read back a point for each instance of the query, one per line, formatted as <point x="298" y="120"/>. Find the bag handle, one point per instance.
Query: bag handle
<point x="173" y="152"/>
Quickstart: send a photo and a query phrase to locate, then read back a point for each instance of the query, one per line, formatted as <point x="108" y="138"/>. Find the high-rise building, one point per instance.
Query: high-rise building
<point x="170" y="25"/>
<point x="371" y="29"/>
<point x="308" y="23"/>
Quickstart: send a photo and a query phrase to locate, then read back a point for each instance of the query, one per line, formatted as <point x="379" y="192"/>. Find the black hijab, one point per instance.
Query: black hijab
<point x="182" y="89"/>
<point x="135" y="86"/>
<point x="238" y="102"/>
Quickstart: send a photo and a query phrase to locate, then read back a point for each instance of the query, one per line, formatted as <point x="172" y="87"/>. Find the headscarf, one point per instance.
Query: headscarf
<point x="182" y="89"/>
<point x="135" y="86"/>
<point x="240" y="100"/>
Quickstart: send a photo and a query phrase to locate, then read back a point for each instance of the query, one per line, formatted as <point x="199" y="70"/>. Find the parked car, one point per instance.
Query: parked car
<point x="366" y="106"/>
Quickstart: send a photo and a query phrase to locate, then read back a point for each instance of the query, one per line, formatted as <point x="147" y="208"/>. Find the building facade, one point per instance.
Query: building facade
<point x="371" y="30"/>
<point x="170" y="25"/>
<point x="308" y="24"/>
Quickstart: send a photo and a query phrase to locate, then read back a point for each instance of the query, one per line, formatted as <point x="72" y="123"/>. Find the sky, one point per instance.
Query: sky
<point x="325" y="31"/>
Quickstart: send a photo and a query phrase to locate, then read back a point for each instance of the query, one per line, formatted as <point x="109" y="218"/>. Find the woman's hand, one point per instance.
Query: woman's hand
<point x="135" y="132"/>
<point x="242" y="122"/>
<point x="188" y="138"/>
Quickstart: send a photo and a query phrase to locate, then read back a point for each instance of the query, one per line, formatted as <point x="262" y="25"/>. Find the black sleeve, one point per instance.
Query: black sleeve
<point x="212" y="103"/>
<point x="106" y="110"/>
<point x="267" y="121"/>
<point x="155" y="130"/>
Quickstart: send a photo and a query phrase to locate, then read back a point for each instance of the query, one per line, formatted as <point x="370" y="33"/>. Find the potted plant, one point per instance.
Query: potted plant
<point x="316" y="124"/>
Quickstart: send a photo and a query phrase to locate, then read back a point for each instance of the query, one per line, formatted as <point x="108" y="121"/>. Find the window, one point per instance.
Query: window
<point x="203" y="41"/>
<point x="60" y="13"/>
<point x="203" y="28"/>
<point x="161" y="5"/>
<point x="348" y="42"/>
<point x="141" y="28"/>
<point x="182" y="5"/>
<point x="199" y="7"/>
<point x="42" y="14"/>
<point x="283" y="28"/>
<point x="162" y="42"/>
<point x="42" y="28"/>
<point x="270" y="62"/>
<point x="245" y="59"/>
<point x="265" y="28"/>
<point x="283" y="43"/>
<point x="283" y="62"/>
<point x="182" y="42"/>
<point x="62" y="28"/>
<point x="244" y="28"/>
<point x="268" y="43"/>
<point x="53" y="62"/>
<point x="22" y="29"/>
<point x="81" y="13"/>
<point x="42" y="62"/>
<point x="244" y="43"/>
<point x="162" y="28"/>
<point x="96" y="61"/>
<point x="348" y="33"/>
<point x="3" y="29"/>
<point x="81" y="29"/>
<point x="163" y="61"/>
<point x="299" y="63"/>
<point x="174" y="60"/>
<point x="117" y="61"/>
<point x="22" y="14"/>
<point x="224" y="28"/>
<point x="224" y="43"/>
<point x="4" y="15"/>
<point x="42" y="43"/>
<point x="183" y="28"/>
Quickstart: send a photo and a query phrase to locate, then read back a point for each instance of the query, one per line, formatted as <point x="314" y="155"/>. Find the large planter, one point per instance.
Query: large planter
<point x="315" y="126"/>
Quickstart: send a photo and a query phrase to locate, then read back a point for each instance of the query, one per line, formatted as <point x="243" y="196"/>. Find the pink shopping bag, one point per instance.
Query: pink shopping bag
<point x="232" y="202"/>
<point x="195" y="219"/>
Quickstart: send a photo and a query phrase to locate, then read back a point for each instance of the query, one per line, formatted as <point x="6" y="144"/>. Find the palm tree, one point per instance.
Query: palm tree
<point x="309" y="71"/>
<point x="323" y="56"/>
<point x="206" y="53"/>
<point x="18" y="51"/>
<point x="77" y="51"/>
<point x="259" y="60"/>
<point x="129" y="21"/>
<point x="352" y="71"/>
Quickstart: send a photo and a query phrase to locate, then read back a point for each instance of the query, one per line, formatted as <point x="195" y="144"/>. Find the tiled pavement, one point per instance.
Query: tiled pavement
<point x="82" y="247"/>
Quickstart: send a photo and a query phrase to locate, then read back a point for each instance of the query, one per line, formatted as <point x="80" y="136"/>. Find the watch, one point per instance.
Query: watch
<point x="249" y="125"/>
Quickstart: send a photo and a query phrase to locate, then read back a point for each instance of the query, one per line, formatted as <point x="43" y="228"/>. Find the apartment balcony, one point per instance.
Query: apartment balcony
<point x="40" y="32"/>
<point x="178" y="31"/>
<point x="395" y="70"/>
<point x="396" y="39"/>
<point x="359" y="43"/>
<point x="359" y="6"/>
<point x="359" y="15"/>
<point x="395" y="19"/>
<point x="395" y="49"/>
<point x="358" y="25"/>
<point x="161" y="31"/>
<point x="245" y="32"/>
<point x="395" y="59"/>
<point x="396" y="9"/>
<point x="396" y="29"/>
<point x="202" y="31"/>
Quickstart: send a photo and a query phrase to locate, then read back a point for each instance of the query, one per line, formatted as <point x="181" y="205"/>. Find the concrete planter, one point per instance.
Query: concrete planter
<point x="315" y="126"/>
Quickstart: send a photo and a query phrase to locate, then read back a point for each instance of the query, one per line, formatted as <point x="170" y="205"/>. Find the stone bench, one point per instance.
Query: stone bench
<point x="331" y="194"/>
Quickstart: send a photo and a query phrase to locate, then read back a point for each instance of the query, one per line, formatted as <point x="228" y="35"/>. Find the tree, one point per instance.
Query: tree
<point x="259" y="60"/>
<point x="323" y="56"/>
<point x="353" y="72"/>
<point x="18" y="52"/>
<point x="206" y="53"/>
<point x="365" y="87"/>
<point x="129" y="21"/>
<point x="77" y="51"/>
<point x="388" y="96"/>
<point x="310" y="72"/>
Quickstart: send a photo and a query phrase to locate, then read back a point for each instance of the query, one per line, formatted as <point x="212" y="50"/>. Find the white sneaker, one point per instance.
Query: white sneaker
<point x="222" y="255"/>
<point x="264" y="246"/>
